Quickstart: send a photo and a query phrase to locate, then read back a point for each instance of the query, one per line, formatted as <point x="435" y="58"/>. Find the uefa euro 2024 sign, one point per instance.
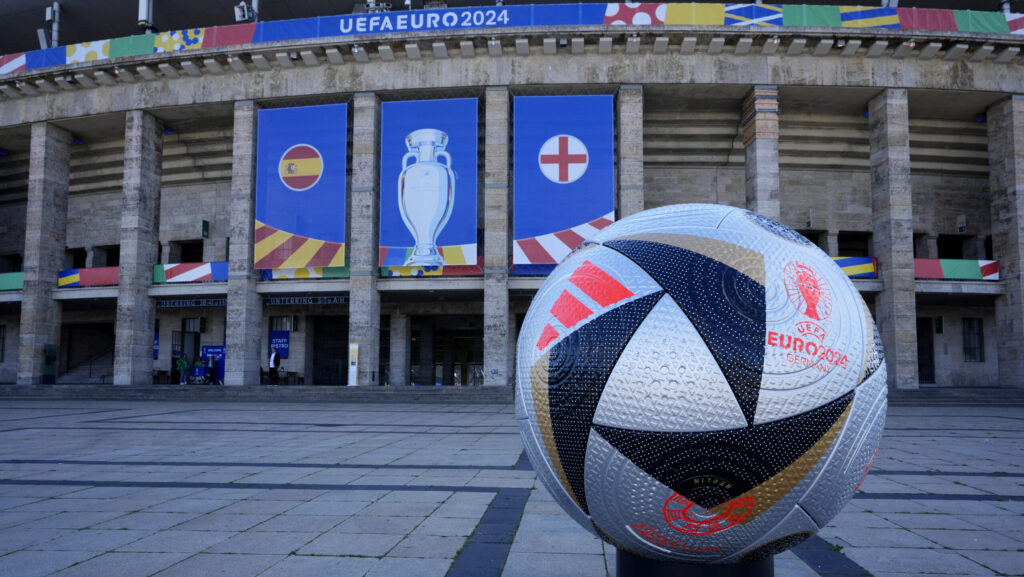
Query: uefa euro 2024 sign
<point x="700" y="384"/>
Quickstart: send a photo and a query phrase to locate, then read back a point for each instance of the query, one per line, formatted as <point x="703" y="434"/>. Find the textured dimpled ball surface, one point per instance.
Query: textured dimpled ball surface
<point x="700" y="383"/>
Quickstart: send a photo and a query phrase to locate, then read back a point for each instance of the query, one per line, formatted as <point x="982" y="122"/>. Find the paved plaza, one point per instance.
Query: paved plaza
<point x="132" y="489"/>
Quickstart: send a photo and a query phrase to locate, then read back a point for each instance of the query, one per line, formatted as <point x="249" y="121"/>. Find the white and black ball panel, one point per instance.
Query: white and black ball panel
<point x="808" y="358"/>
<point x="674" y="218"/>
<point x="541" y="315"/>
<point x="537" y="453"/>
<point x="847" y="464"/>
<point x="795" y="528"/>
<point x="680" y="389"/>
<point x="689" y="310"/>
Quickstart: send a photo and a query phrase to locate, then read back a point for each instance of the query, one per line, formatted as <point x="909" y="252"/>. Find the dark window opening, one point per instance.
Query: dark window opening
<point x="854" y="243"/>
<point x="10" y="263"/>
<point x="951" y="246"/>
<point x="191" y="250"/>
<point x="75" y="257"/>
<point x="974" y="340"/>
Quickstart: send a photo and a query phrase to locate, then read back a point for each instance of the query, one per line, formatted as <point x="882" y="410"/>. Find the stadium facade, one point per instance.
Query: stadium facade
<point x="158" y="193"/>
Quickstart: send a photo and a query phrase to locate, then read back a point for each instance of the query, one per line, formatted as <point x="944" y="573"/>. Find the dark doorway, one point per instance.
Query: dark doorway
<point x="330" y="350"/>
<point x="447" y="350"/>
<point x="925" y="351"/>
<point x="87" y="352"/>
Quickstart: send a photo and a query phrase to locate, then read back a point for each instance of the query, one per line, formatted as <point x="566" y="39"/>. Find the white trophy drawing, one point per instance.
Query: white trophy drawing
<point x="426" y="193"/>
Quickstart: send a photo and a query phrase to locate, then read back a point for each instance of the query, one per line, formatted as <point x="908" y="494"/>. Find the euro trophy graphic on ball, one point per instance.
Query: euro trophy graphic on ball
<point x="426" y="193"/>
<point x="701" y="387"/>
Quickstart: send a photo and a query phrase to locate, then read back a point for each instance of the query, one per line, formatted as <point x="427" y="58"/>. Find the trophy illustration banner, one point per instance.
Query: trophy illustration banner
<point x="564" y="175"/>
<point x="300" y="187"/>
<point x="428" y="188"/>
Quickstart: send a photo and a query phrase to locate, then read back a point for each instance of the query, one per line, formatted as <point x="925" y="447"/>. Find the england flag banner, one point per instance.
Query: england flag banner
<point x="564" y="158"/>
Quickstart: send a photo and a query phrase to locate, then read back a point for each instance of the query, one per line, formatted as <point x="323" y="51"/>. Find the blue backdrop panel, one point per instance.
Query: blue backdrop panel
<point x="422" y="20"/>
<point x="567" y="185"/>
<point x="458" y="119"/>
<point x="306" y="210"/>
<point x="275" y="30"/>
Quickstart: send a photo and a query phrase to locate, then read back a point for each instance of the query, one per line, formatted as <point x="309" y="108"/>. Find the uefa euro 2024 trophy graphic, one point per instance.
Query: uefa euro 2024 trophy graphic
<point x="426" y="193"/>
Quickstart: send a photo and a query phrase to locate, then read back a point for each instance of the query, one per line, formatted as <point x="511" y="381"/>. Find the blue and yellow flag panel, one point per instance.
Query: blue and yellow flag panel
<point x="300" y="187"/>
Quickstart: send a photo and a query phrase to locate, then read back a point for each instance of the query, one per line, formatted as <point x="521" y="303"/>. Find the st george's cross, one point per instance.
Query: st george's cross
<point x="563" y="158"/>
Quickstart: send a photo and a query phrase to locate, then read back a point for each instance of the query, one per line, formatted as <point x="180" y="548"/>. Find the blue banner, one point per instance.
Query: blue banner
<point x="279" y="340"/>
<point x="300" y="187"/>
<point x="156" y="346"/>
<point x="424" y="20"/>
<point x="428" y="183"/>
<point x="214" y="354"/>
<point x="564" y="175"/>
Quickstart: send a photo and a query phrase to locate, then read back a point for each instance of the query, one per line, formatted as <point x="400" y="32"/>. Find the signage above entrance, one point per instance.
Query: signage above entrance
<point x="306" y="300"/>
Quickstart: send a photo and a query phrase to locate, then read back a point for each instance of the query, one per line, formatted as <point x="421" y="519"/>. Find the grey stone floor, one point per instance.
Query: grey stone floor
<point x="132" y="489"/>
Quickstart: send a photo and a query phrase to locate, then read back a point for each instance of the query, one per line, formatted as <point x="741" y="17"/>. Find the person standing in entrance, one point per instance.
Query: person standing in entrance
<point x="275" y="362"/>
<point x="183" y="367"/>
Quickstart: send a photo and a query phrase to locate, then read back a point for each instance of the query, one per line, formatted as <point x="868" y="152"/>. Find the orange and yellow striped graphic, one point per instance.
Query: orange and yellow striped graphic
<point x="277" y="248"/>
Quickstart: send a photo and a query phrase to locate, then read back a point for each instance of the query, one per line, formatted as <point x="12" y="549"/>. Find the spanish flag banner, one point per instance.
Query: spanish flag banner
<point x="300" y="187"/>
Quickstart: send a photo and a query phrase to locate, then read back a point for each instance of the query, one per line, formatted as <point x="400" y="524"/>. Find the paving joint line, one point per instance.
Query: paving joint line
<point x="486" y="550"/>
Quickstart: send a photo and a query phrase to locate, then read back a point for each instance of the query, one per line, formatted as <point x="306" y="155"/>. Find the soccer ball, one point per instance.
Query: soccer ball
<point x="699" y="383"/>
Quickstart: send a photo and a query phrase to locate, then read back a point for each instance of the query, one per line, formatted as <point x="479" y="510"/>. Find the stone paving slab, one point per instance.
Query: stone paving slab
<point x="126" y="489"/>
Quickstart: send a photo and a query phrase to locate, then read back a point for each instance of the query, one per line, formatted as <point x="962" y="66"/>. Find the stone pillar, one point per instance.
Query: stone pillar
<point x="140" y="227"/>
<point x="364" y="300"/>
<point x="760" y="123"/>
<point x="497" y="341"/>
<point x="244" y="360"/>
<point x="1006" y="186"/>
<point x="832" y="243"/>
<point x="426" y="365"/>
<point x="45" y="233"/>
<point x="90" y="256"/>
<point x="893" y="234"/>
<point x="631" y="149"/>
<point x="931" y="246"/>
<point x="401" y="350"/>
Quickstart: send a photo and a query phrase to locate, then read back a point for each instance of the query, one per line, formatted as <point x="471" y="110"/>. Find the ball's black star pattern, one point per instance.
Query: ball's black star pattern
<point x="708" y="291"/>
<point x="714" y="467"/>
<point x="578" y="369"/>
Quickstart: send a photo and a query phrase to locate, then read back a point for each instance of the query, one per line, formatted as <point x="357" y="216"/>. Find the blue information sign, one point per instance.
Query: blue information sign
<point x="279" y="340"/>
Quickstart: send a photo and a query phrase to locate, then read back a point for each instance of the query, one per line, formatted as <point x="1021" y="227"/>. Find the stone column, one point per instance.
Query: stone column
<point x="497" y="340"/>
<point x="364" y="300"/>
<point x="832" y="243"/>
<point x="893" y="234"/>
<point x="45" y="233"/>
<point x="426" y="365"/>
<point x="90" y="256"/>
<point x="760" y="123"/>
<point x="244" y="359"/>
<point x="631" y="149"/>
<point x="1006" y="186"/>
<point x="140" y="227"/>
<point x="401" y="350"/>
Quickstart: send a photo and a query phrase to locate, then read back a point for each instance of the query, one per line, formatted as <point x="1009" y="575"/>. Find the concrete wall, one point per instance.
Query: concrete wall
<point x="12" y="228"/>
<point x="183" y="210"/>
<point x="9" y="365"/>
<point x="950" y="368"/>
<point x="94" y="219"/>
